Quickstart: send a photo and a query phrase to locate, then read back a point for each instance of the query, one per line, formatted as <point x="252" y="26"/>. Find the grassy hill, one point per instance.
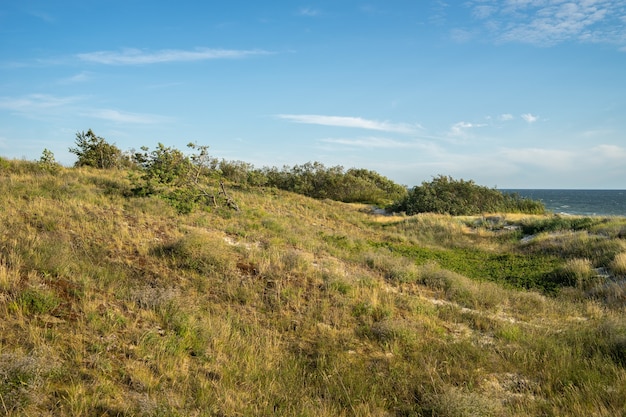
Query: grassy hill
<point x="112" y="305"/>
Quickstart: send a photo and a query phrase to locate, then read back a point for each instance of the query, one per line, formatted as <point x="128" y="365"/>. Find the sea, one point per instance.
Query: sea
<point x="578" y="202"/>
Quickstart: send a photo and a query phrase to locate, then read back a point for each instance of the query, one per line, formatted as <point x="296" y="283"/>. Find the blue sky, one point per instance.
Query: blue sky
<point x="510" y="94"/>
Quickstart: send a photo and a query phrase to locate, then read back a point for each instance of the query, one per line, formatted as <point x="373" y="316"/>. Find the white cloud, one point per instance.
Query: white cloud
<point x="529" y="118"/>
<point x="610" y="152"/>
<point x="506" y="117"/>
<point x="460" y="129"/>
<point x="140" y="57"/>
<point x="76" y="78"/>
<point x="483" y="12"/>
<point x="375" y="143"/>
<point x="461" y="35"/>
<point x="549" y="159"/>
<point x="354" y="122"/>
<point x="126" y="117"/>
<point x="35" y="102"/>
<point x="549" y="22"/>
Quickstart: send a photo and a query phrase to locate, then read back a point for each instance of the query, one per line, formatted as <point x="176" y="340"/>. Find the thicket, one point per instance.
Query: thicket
<point x="445" y="195"/>
<point x="315" y="180"/>
<point x="183" y="179"/>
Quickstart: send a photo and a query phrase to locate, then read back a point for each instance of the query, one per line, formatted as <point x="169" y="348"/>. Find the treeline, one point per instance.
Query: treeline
<point x="186" y="181"/>
<point x="351" y="186"/>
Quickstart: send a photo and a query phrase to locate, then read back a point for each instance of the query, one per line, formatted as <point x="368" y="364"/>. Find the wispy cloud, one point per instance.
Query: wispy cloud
<point x="353" y="122"/>
<point x="374" y="143"/>
<point x="76" y="78"/>
<point x="308" y="11"/>
<point x="34" y="102"/>
<point x="530" y="118"/>
<point x="546" y="158"/>
<point x="142" y="57"/>
<point x="461" y="129"/>
<point x="43" y="106"/>
<point x="609" y="152"/>
<point x="505" y="117"/>
<point x="45" y="16"/>
<point x="549" y="22"/>
<point x="126" y="117"/>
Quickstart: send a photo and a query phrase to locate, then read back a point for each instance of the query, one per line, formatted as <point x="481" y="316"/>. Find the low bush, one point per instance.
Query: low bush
<point x="445" y="195"/>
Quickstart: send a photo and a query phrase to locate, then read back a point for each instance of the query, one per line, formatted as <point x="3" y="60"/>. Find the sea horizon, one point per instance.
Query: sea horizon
<point x="586" y="202"/>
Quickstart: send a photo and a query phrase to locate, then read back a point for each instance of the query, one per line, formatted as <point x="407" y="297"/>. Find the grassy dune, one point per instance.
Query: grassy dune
<point x="118" y="306"/>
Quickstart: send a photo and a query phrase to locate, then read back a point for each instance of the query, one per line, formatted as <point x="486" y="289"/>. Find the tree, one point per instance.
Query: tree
<point x="95" y="151"/>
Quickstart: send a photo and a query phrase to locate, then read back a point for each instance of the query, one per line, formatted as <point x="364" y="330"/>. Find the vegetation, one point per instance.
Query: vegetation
<point x="114" y="302"/>
<point x="95" y="151"/>
<point x="445" y="195"/>
<point x="317" y="181"/>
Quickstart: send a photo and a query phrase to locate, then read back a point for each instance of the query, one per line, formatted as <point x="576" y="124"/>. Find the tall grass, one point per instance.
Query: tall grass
<point x="117" y="305"/>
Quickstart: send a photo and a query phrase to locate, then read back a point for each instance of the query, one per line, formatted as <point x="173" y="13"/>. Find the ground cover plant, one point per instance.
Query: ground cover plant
<point x="119" y="303"/>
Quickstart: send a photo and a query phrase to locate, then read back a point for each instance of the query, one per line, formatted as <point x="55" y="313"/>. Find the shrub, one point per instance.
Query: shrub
<point x="445" y="195"/>
<point x="315" y="180"/>
<point x="95" y="151"/>
<point x="47" y="162"/>
<point x="558" y="223"/>
<point x="182" y="180"/>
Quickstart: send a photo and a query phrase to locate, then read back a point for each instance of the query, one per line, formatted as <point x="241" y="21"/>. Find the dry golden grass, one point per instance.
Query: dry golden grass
<point x="112" y="305"/>
<point x="618" y="266"/>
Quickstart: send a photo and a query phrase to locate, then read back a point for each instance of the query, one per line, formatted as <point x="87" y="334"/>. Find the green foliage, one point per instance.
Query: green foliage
<point x="509" y="268"/>
<point x="95" y="151"/>
<point x="184" y="181"/>
<point x="37" y="301"/>
<point x="445" y="195"/>
<point x="559" y="223"/>
<point x="315" y="180"/>
<point x="161" y="168"/>
<point x="47" y="162"/>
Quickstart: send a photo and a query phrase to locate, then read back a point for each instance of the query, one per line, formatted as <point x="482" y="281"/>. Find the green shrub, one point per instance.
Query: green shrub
<point x="95" y="151"/>
<point x="445" y="195"/>
<point x="37" y="301"/>
<point x="183" y="181"/>
<point x="48" y="163"/>
<point x="315" y="180"/>
<point x="558" y="223"/>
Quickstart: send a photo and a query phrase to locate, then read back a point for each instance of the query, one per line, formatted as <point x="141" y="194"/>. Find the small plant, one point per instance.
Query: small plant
<point x="47" y="161"/>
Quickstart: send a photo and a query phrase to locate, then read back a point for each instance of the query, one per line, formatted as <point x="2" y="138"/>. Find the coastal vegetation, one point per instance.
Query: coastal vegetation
<point x="445" y="195"/>
<point x="141" y="290"/>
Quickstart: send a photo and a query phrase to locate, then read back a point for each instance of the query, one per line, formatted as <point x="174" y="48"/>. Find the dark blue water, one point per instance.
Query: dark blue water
<point x="579" y="202"/>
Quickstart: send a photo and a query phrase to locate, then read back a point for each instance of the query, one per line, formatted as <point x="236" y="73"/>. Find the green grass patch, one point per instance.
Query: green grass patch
<point x="511" y="269"/>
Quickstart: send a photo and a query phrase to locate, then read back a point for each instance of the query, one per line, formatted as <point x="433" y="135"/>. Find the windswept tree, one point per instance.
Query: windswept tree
<point x="185" y="181"/>
<point x="95" y="151"/>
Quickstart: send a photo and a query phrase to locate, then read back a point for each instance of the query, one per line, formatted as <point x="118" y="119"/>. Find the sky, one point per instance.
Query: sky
<point x="508" y="93"/>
